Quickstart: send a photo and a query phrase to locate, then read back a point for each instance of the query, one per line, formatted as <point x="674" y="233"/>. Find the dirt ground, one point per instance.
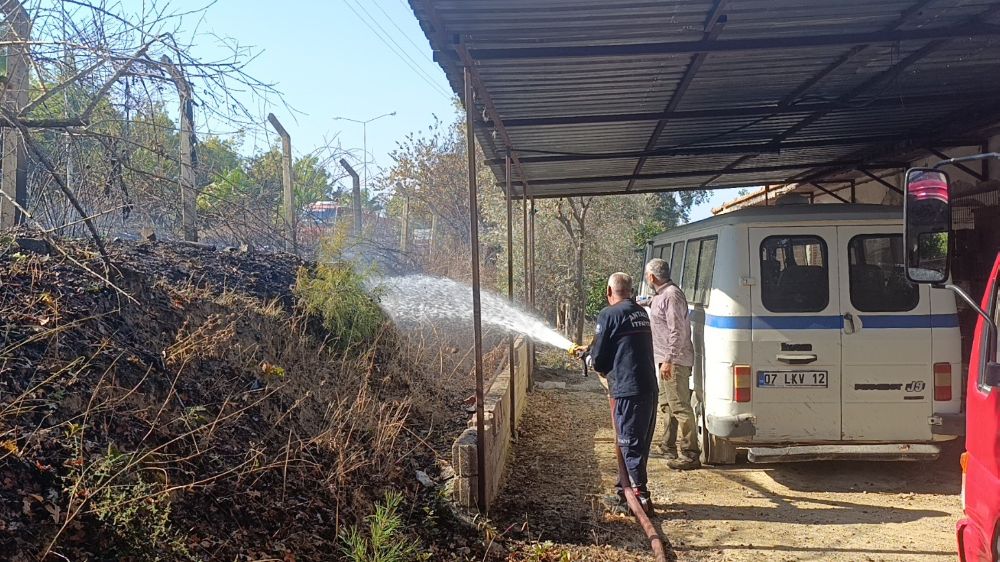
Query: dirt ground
<point x="564" y="464"/>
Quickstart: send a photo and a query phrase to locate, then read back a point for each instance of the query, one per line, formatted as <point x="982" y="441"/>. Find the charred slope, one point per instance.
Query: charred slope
<point x="213" y="417"/>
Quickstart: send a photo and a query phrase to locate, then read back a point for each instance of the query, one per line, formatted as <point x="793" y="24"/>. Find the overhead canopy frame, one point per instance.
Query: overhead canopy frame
<point x="591" y="97"/>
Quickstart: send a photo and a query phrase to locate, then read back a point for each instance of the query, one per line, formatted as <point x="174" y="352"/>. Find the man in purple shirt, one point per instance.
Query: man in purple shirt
<point x="673" y="354"/>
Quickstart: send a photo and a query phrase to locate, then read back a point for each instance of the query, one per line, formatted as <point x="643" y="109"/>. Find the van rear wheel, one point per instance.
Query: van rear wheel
<point x="717" y="451"/>
<point x="714" y="450"/>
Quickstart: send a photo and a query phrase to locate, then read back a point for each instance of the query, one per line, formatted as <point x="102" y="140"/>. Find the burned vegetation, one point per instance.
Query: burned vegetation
<point x="198" y="408"/>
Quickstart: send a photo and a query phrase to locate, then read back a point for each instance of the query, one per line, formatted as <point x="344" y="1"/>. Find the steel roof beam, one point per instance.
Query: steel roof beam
<point x="850" y="185"/>
<point x="978" y="175"/>
<point x="729" y="167"/>
<point x="880" y="103"/>
<point x="585" y="193"/>
<point x="842" y="59"/>
<point x="715" y="16"/>
<point x="949" y="125"/>
<point x="696" y="173"/>
<point x="879" y="180"/>
<point x="735" y="45"/>
<point x="713" y="27"/>
<point x="749" y="149"/>
<point x="857" y="91"/>
<point x="883" y="76"/>
<point x="830" y="193"/>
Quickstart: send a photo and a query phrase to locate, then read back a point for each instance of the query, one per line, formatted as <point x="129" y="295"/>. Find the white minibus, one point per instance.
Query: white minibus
<point x="810" y="342"/>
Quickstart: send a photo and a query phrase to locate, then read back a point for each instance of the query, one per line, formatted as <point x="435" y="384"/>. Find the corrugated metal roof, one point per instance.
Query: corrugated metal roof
<point x="599" y="96"/>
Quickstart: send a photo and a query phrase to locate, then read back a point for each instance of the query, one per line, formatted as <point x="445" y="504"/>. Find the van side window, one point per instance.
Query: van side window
<point x="706" y="268"/>
<point x="877" y="278"/>
<point x="699" y="265"/>
<point x="690" y="269"/>
<point x="794" y="274"/>
<point x="662" y="251"/>
<point x="675" y="263"/>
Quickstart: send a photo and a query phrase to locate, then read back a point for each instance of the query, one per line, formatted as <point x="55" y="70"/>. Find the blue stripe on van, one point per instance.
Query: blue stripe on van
<point x="910" y="321"/>
<point x="728" y="322"/>
<point x="903" y="321"/>
<point x="797" y="322"/>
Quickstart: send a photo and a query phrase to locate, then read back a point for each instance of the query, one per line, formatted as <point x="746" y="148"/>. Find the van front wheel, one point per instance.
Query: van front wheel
<point x="714" y="450"/>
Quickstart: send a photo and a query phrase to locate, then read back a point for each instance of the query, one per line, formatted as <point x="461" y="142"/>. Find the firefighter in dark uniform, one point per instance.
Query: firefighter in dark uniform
<point x="622" y="352"/>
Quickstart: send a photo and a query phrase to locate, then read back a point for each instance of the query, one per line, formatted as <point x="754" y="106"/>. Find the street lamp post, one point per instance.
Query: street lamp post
<point x="364" y="136"/>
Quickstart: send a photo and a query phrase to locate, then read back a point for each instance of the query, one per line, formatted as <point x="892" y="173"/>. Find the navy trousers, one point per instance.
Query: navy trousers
<point x="635" y="418"/>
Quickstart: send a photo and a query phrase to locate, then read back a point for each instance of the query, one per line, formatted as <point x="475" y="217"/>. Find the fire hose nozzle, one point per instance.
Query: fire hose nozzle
<point x="580" y="352"/>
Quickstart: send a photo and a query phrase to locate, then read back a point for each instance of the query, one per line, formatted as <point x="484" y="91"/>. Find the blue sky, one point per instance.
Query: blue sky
<point x="327" y="60"/>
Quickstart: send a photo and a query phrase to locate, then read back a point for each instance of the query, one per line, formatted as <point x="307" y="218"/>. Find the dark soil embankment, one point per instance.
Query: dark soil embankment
<point x="211" y="418"/>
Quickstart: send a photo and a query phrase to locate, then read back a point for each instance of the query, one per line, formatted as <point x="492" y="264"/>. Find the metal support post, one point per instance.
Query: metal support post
<point x="356" y="190"/>
<point x="477" y="321"/>
<point x="524" y="240"/>
<point x="531" y="284"/>
<point x="510" y="297"/>
<point x="854" y="192"/>
<point x="14" y="96"/>
<point x="531" y="255"/>
<point x="286" y="183"/>
<point x="526" y="278"/>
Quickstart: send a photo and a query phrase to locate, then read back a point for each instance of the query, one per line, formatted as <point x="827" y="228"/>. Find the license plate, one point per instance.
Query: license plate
<point x="792" y="379"/>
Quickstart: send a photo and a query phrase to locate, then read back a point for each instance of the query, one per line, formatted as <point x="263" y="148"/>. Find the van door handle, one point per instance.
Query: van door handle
<point x="849" y="319"/>
<point x="796" y="359"/>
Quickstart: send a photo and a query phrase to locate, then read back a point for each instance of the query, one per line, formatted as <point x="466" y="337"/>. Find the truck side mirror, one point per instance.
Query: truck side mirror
<point x="927" y="225"/>
<point x="991" y="377"/>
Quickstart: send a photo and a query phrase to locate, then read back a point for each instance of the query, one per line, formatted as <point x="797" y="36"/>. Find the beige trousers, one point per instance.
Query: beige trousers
<point x="681" y="433"/>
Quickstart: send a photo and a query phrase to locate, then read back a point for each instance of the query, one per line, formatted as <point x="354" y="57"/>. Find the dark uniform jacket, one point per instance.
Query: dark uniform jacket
<point x="623" y="350"/>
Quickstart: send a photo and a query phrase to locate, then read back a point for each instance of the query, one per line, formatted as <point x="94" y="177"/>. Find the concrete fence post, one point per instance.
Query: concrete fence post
<point x="356" y="190"/>
<point x="288" y="193"/>
<point x="14" y="96"/>
<point x="404" y="230"/>
<point x="188" y="156"/>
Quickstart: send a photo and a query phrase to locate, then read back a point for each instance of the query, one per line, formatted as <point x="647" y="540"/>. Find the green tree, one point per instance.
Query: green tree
<point x="232" y="187"/>
<point x="311" y="180"/>
<point x="216" y="158"/>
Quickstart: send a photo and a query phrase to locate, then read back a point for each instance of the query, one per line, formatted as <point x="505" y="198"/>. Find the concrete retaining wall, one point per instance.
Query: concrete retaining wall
<point x="497" y="438"/>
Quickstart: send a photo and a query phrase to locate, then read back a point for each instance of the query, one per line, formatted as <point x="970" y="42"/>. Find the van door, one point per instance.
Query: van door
<point x="796" y="332"/>
<point x="888" y="376"/>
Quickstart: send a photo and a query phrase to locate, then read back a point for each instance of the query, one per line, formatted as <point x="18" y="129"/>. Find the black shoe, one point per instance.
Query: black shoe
<point x="684" y="463"/>
<point x="618" y="505"/>
<point x="646" y="501"/>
